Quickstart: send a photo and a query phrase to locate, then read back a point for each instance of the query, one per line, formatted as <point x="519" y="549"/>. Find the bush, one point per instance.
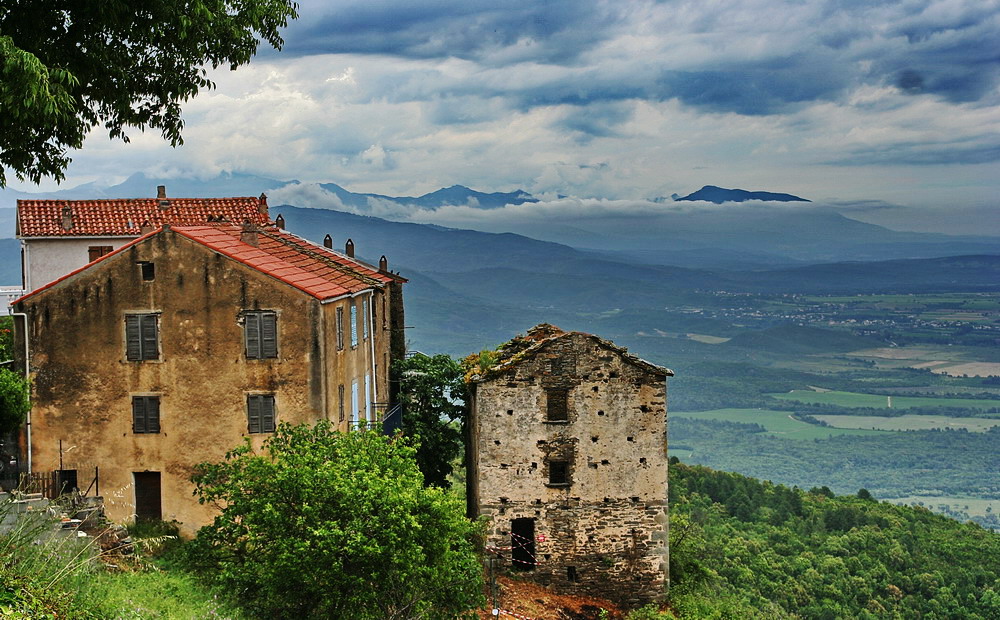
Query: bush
<point x="324" y="524"/>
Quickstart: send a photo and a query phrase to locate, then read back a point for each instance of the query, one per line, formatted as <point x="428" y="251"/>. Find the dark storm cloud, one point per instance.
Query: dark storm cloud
<point x="758" y="57"/>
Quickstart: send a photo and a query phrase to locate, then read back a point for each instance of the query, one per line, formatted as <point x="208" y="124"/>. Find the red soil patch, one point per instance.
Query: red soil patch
<point x="520" y="600"/>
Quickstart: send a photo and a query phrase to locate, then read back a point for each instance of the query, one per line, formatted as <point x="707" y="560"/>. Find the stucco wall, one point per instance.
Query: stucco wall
<point x="48" y="259"/>
<point x="83" y="384"/>
<point x="609" y="523"/>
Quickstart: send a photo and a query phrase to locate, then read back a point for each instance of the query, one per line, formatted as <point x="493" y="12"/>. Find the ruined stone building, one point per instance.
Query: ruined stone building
<point x="568" y="459"/>
<point x="173" y="348"/>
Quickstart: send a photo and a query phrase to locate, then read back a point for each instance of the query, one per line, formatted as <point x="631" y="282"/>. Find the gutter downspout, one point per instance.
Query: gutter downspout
<point x="27" y="369"/>
<point x="371" y="341"/>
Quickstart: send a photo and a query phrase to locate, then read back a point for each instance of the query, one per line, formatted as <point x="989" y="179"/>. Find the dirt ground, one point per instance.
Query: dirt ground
<point x="522" y="600"/>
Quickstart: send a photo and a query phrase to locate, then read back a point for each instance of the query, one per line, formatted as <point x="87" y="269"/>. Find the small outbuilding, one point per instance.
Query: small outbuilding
<point x="568" y="459"/>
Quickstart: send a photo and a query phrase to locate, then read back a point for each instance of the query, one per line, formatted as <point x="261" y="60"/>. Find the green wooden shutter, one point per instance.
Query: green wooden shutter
<point x="152" y="414"/>
<point x="138" y="415"/>
<point x="253" y="414"/>
<point x="251" y="328"/>
<point x="267" y="414"/>
<point x="133" y="348"/>
<point x="269" y="335"/>
<point x="150" y="337"/>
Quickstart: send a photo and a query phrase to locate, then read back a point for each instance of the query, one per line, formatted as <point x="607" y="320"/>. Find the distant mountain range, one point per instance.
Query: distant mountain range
<point x="719" y="195"/>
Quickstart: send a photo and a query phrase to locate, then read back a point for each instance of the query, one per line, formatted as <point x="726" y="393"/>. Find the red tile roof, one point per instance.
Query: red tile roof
<point x="313" y="269"/>
<point x="126" y="217"/>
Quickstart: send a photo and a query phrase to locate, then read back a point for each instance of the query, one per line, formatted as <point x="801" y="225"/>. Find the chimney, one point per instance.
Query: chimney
<point x="383" y="264"/>
<point x="161" y="196"/>
<point x="249" y="234"/>
<point x="328" y="242"/>
<point x="262" y="204"/>
<point x="349" y="248"/>
<point x="280" y="222"/>
<point x="67" y="217"/>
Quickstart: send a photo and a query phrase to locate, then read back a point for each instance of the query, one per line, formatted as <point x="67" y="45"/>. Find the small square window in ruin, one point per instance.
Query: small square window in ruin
<point x="571" y="574"/>
<point x="559" y="473"/>
<point x="556" y="405"/>
<point x="148" y="271"/>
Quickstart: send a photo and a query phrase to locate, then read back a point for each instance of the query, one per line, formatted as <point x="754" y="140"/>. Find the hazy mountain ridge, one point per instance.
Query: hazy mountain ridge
<point x="719" y="195"/>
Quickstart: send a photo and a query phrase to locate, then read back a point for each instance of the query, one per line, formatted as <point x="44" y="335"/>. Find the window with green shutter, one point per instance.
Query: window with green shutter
<point x="145" y="414"/>
<point x="142" y="337"/>
<point x="260" y="413"/>
<point x="260" y="329"/>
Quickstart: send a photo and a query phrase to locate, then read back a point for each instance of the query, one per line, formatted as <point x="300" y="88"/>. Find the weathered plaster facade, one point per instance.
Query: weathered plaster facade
<point x="84" y="385"/>
<point x="578" y="504"/>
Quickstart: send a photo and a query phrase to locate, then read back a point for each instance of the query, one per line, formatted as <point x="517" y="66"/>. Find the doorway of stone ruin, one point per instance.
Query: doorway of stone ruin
<point x="522" y="543"/>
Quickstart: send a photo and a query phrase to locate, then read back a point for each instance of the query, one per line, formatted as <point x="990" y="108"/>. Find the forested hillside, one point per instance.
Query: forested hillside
<point x="743" y="548"/>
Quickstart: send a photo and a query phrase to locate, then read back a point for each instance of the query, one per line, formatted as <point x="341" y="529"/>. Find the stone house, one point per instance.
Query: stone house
<point x="568" y="460"/>
<point x="182" y="343"/>
<point x="59" y="236"/>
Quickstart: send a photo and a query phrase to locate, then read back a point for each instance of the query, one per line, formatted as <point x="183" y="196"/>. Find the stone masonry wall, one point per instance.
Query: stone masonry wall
<point x="602" y="531"/>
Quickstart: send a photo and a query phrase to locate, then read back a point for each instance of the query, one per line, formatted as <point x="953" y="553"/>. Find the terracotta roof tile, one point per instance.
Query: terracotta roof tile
<point x="313" y="269"/>
<point x="126" y="217"/>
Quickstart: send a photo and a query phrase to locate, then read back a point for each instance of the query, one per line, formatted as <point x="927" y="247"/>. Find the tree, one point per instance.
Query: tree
<point x="432" y="390"/>
<point x="14" y="403"/>
<point x="323" y="524"/>
<point x="66" y="67"/>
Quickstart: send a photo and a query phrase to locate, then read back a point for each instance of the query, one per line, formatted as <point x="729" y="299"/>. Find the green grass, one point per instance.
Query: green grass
<point x="855" y="399"/>
<point x="777" y="423"/>
<point x="907" y="422"/>
<point x="974" y="506"/>
<point x="155" y="594"/>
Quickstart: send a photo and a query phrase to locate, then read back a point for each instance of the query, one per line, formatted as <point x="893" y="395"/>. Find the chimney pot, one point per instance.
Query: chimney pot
<point x="349" y="248"/>
<point x="249" y="234"/>
<point x="262" y="204"/>
<point x="383" y="264"/>
<point x="67" y="217"/>
<point x="280" y="222"/>
<point x="328" y="242"/>
<point x="161" y="191"/>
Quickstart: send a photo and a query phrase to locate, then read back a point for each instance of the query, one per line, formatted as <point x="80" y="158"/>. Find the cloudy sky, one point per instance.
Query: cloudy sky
<point x="880" y="107"/>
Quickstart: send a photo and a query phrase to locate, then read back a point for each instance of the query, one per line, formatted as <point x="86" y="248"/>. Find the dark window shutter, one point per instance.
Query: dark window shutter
<point x="94" y="252"/>
<point x="251" y="327"/>
<point x="253" y="414"/>
<point x="152" y="414"/>
<point x="269" y="334"/>
<point x="133" y="348"/>
<point x="267" y="414"/>
<point x="340" y="328"/>
<point x="138" y="415"/>
<point x="150" y="340"/>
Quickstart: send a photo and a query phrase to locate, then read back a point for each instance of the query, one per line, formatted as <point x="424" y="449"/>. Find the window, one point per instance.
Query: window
<point x="340" y="394"/>
<point x="556" y="406"/>
<point x="354" y="401"/>
<point x="559" y="473"/>
<point x="354" y="325"/>
<point x="364" y="319"/>
<point x="340" y="329"/>
<point x="261" y="331"/>
<point x="96" y="251"/>
<point x="260" y="413"/>
<point x="142" y="337"/>
<point x="145" y="414"/>
<point x="147" y="270"/>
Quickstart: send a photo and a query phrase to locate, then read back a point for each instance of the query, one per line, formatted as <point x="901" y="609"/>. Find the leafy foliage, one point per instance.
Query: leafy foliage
<point x="14" y="403"/>
<point x="67" y="67"/>
<point x="432" y="391"/>
<point x="323" y="524"/>
<point x="745" y="548"/>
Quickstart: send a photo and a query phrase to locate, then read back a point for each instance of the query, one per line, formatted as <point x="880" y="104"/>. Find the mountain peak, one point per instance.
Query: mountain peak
<point x="719" y="195"/>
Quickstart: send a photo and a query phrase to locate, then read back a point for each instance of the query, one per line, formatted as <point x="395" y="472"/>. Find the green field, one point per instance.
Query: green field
<point x="907" y="422"/>
<point x="971" y="505"/>
<point x="777" y="423"/>
<point x="855" y="399"/>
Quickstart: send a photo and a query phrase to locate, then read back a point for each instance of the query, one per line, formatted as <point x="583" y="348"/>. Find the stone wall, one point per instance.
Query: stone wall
<point x="595" y="482"/>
